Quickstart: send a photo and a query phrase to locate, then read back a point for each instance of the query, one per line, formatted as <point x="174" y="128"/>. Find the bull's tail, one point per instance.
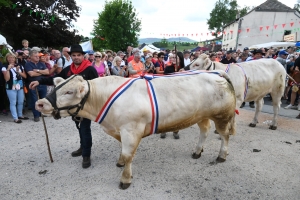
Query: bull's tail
<point x="232" y="126"/>
<point x="225" y="75"/>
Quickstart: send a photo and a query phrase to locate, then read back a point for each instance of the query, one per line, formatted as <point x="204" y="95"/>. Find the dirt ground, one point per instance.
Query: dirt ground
<point x="162" y="168"/>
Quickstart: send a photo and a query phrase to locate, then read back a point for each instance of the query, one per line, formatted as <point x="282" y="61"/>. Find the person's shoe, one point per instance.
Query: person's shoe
<point x="77" y="153"/>
<point x="18" y="121"/>
<point x="86" y="162"/>
<point x="290" y="107"/>
<point x="251" y="105"/>
<point x="243" y="104"/>
<point x="298" y="117"/>
<point x="23" y="118"/>
<point x="176" y="135"/>
<point x="163" y="135"/>
<point x="36" y="119"/>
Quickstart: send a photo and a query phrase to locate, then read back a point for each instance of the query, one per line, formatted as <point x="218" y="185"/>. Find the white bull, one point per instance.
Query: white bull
<point x="251" y="81"/>
<point x="181" y="103"/>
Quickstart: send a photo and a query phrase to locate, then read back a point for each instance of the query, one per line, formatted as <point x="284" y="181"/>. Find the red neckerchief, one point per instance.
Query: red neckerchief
<point x="82" y="67"/>
<point x="161" y="65"/>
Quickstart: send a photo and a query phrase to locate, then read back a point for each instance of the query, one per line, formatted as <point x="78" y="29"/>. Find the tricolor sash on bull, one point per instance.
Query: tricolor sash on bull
<point x="151" y="92"/>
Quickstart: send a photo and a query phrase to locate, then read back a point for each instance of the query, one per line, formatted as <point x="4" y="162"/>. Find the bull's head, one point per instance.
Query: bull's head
<point x="201" y="63"/>
<point x="68" y="97"/>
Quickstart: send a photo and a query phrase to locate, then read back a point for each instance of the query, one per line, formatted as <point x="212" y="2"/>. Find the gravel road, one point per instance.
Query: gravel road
<point x="162" y="168"/>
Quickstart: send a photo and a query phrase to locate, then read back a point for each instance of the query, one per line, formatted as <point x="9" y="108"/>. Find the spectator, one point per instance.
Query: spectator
<point x="64" y="61"/>
<point x="197" y="54"/>
<point x="86" y="56"/>
<point x="13" y="75"/>
<point x="242" y="58"/>
<point x="247" y="51"/>
<point x="118" y="69"/>
<point x="121" y="55"/>
<point x="99" y="64"/>
<point x="166" y="56"/>
<point x="135" y="67"/>
<point x="148" y="65"/>
<point x="47" y="59"/>
<point x="36" y="71"/>
<point x="143" y="58"/>
<point x="130" y="58"/>
<point x="187" y="60"/>
<point x="213" y="57"/>
<point x="104" y="61"/>
<point x="282" y="55"/>
<point x="154" y="59"/>
<point x="160" y="65"/>
<point x="125" y="59"/>
<point x="295" y="70"/>
<point x="290" y="65"/>
<point x="91" y="56"/>
<point x="228" y="59"/>
<point x="109" y="63"/>
<point x="3" y="95"/>
<point x="192" y="57"/>
<point x="129" y="51"/>
<point x="50" y="68"/>
<point x="234" y="56"/>
<point x="219" y="56"/>
<point x="25" y="44"/>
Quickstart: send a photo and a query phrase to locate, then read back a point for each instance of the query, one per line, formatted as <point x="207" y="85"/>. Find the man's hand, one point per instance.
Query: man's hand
<point x="33" y="84"/>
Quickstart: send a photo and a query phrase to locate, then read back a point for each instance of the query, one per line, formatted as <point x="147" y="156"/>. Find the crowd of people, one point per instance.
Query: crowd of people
<point x="28" y="73"/>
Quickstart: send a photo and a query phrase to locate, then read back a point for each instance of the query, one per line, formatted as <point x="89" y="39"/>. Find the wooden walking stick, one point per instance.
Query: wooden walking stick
<point x="45" y="128"/>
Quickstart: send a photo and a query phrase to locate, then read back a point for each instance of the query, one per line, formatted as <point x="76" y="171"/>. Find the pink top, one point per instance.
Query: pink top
<point x="100" y="69"/>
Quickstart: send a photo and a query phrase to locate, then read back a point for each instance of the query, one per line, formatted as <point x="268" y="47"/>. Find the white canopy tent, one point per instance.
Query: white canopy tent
<point x="150" y="48"/>
<point x="4" y="42"/>
<point x="87" y="46"/>
<point x="273" y="44"/>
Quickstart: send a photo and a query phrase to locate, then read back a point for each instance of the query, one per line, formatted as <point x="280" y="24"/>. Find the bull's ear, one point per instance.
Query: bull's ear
<point x="58" y="80"/>
<point x="206" y="61"/>
<point x="81" y="90"/>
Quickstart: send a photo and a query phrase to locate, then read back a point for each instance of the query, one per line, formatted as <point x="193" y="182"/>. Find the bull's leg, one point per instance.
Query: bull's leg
<point x="276" y="106"/>
<point x="204" y="126"/>
<point x="224" y="148"/>
<point x="259" y="105"/>
<point x="120" y="162"/>
<point x="129" y="145"/>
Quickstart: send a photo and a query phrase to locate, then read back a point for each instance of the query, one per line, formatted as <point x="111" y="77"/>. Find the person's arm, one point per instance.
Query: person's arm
<point x="131" y="70"/>
<point x="21" y="71"/>
<point x="6" y="72"/>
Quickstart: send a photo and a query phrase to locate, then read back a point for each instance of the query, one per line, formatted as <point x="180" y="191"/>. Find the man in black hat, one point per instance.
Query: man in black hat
<point x="228" y="59"/>
<point x="88" y="72"/>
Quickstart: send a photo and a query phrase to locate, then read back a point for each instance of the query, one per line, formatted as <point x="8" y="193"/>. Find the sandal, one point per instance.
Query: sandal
<point x="298" y="117"/>
<point x="23" y="118"/>
<point x="18" y="121"/>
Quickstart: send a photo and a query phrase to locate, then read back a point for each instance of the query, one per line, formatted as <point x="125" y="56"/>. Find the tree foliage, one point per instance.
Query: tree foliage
<point x="117" y="26"/>
<point x="43" y="23"/>
<point x="5" y="3"/>
<point x="225" y="11"/>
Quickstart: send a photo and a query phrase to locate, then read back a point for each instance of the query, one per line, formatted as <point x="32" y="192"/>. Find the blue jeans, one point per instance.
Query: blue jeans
<point x="85" y="135"/>
<point x="42" y="90"/>
<point x="16" y="100"/>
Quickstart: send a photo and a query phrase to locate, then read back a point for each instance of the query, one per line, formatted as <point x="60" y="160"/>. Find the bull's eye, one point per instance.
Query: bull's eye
<point x="69" y="92"/>
<point x="197" y="64"/>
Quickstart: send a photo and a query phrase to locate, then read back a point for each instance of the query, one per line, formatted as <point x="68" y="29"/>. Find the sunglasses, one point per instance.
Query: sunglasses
<point x="162" y="57"/>
<point x="97" y="56"/>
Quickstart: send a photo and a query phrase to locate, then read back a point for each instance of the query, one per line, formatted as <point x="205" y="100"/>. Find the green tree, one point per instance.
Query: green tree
<point x="43" y="23"/>
<point x="5" y="3"/>
<point x="297" y="6"/>
<point x="225" y="11"/>
<point x="117" y="26"/>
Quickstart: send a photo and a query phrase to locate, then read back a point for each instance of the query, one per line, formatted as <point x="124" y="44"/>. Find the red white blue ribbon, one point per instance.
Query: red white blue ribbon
<point x="151" y="92"/>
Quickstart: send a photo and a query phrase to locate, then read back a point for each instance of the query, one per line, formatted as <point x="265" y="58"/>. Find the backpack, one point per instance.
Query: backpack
<point x="63" y="61"/>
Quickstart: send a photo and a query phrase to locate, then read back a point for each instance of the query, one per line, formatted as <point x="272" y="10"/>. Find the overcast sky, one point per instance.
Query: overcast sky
<point x="163" y="16"/>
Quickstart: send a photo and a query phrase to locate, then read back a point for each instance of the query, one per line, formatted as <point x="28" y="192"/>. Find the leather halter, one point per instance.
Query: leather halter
<point x="211" y="63"/>
<point x="52" y="99"/>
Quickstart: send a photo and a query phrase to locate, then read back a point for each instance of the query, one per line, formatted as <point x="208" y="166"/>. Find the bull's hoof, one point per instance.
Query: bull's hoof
<point x="196" y="156"/>
<point x="252" y="125"/>
<point x="272" y="127"/>
<point x="119" y="165"/>
<point x="220" y="160"/>
<point x="124" y="186"/>
<point x="216" y="132"/>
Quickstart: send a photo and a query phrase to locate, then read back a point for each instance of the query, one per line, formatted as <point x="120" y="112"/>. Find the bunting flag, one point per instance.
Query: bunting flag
<point x="260" y="28"/>
<point x="239" y="30"/>
<point x="292" y="23"/>
<point x="275" y="26"/>
<point x="267" y="27"/>
<point x="283" y="25"/>
<point x="248" y="29"/>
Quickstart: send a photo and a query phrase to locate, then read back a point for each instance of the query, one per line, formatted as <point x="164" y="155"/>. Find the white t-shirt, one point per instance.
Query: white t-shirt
<point x="67" y="63"/>
<point x="13" y="71"/>
<point x="186" y="61"/>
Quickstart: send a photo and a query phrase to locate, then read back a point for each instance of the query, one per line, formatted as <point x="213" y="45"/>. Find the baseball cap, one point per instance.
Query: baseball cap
<point x="246" y="48"/>
<point x="283" y="52"/>
<point x="90" y="52"/>
<point x="148" y="56"/>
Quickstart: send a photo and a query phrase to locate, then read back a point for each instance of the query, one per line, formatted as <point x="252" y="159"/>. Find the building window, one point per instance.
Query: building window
<point x="231" y="35"/>
<point x="287" y="32"/>
<point x="227" y="36"/>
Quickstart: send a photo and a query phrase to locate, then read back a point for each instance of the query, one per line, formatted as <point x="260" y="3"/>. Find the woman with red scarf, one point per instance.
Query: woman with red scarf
<point x="88" y="72"/>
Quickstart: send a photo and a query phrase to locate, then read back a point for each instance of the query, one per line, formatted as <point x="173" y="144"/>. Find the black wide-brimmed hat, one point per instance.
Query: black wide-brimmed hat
<point x="76" y="48"/>
<point x="258" y="51"/>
